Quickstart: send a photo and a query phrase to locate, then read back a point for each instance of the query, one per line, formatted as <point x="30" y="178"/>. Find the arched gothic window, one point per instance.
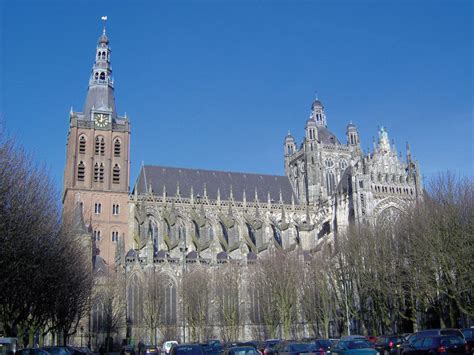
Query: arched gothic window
<point x="343" y="164"/>
<point x="97" y="208"/>
<point x="329" y="163"/>
<point x="256" y="302"/>
<point x="117" y="147"/>
<point x="330" y="182"/>
<point x="135" y="300"/>
<point x="96" y="76"/>
<point x="99" y="172"/>
<point x="115" y="236"/>
<point x="99" y="145"/>
<point x="81" y="171"/>
<point x="96" y="234"/>
<point x="97" y="315"/>
<point x="169" y="297"/>
<point x="102" y="76"/>
<point x="82" y="145"/>
<point x="116" y="174"/>
<point x="103" y="55"/>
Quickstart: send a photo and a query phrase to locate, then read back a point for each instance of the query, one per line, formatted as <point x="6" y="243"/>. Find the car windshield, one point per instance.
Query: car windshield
<point x="358" y="344"/>
<point x="450" y="332"/>
<point x="300" y="347"/>
<point x="446" y="341"/>
<point x="468" y="333"/>
<point x="271" y="343"/>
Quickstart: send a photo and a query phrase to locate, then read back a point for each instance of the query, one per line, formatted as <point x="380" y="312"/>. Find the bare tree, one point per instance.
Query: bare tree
<point x="227" y="282"/>
<point x="154" y="303"/>
<point x="43" y="274"/>
<point x="111" y="302"/>
<point x="196" y="297"/>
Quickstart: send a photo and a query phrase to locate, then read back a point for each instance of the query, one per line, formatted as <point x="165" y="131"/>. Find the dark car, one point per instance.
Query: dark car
<point x="187" y="349"/>
<point x="411" y="339"/>
<point x="437" y="344"/>
<point x="127" y="350"/>
<point x="213" y="347"/>
<point x="388" y="344"/>
<point x="469" y="336"/>
<point x="356" y="346"/>
<point x="321" y="346"/>
<point x="62" y="350"/>
<point x="151" y="350"/>
<point x="32" y="351"/>
<point x="255" y="343"/>
<point x="270" y="345"/>
<point x="241" y="350"/>
<point x="294" y="348"/>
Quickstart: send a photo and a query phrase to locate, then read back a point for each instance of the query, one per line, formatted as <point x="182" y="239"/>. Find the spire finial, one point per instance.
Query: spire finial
<point x="104" y="19"/>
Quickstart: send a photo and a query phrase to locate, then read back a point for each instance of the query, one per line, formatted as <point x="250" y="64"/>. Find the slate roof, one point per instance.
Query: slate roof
<point x="327" y="137"/>
<point x="160" y="176"/>
<point x="100" y="97"/>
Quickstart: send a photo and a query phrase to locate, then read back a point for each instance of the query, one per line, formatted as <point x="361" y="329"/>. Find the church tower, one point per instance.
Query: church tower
<point x="97" y="168"/>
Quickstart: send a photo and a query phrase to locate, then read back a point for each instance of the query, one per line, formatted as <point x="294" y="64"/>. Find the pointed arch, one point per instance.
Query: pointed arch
<point x="116" y="174"/>
<point x="135" y="299"/>
<point x="117" y="147"/>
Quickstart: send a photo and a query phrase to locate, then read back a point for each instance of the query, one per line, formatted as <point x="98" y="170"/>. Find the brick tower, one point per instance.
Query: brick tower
<point x="98" y="160"/>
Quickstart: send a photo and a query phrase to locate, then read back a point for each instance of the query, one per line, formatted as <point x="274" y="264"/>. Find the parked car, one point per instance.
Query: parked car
<point x="187" y="349"/>
<point x="151" y="349"/>
<point x="321" y="346"/>
<point x="213" y="347"/>
<point x="165" y="349"/>
<point x="437" y="344"/>
<point x="241" y="350"/>
<point x="469" y="336"/>
<point x="62" y="350"/>
<point x="260" y="346"/>
<point x="411" y="339"/>
<point x="294" y="348"/>
<point x="127" y="350"/>
<point x="354" y="337"/>
<point x="388" y="344"/>
<point x="32" y="351"/>
<point x="270" y="345"/>
<point x="356" y="346"/>
<point x="371" y="338"/>
<point x="8" y="345"/>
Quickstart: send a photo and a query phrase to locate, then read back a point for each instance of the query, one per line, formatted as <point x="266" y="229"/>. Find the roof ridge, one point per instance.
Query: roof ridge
<point x="211" y="171"/>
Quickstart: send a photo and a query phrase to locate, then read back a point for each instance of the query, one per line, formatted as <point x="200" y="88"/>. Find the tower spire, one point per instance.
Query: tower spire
<point x="100" y="92"/>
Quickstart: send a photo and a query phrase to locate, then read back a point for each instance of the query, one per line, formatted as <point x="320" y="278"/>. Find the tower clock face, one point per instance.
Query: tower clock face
<point x="101" y="119"/>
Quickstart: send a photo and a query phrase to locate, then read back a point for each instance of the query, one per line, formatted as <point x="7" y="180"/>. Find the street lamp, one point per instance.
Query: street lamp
<point x="82" y="334"/>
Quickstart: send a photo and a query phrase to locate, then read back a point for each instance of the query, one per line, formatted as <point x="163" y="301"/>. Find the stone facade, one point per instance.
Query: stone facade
<point x="175" y="218"/>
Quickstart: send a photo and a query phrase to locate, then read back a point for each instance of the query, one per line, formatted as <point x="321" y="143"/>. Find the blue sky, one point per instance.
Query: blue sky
<point x="217" y="84"/>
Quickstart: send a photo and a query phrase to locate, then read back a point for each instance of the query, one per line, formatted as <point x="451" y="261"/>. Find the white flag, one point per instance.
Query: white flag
<point x="104" y="18"/>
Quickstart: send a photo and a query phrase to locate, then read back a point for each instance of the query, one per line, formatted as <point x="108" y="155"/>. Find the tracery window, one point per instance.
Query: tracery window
<point x="115" y="209"/>
<point x="97" y="316"/>
<point x="329" y="163"/>
<point x="99" y="172"/>
<point x="98" y="208"/>
<point x="330" y="182"/>
<point x="115" y="236"/>
<point x="135" y="300"/>
<point x="96" y="235"/>
<point x="169" y="296"/>
<point x="256" y="302"/>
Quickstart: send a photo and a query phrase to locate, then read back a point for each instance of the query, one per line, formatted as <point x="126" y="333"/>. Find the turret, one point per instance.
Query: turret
<point x="384" y="142"/>
<point x="318" y="114"/>
<point x="311" y="130"/>
<point x="352" y="135"/>
<point x="290" y="145"/>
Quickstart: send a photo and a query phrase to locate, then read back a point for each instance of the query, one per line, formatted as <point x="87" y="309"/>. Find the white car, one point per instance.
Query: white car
<point x="167" y="346"/>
